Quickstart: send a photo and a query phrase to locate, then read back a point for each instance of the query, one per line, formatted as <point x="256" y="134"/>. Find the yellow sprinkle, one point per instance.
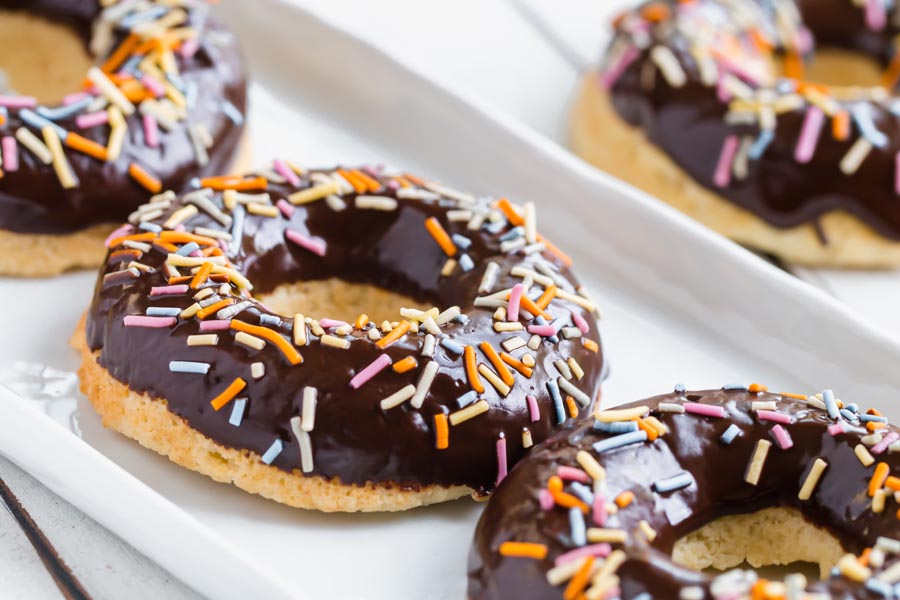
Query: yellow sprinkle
<point x="494" y="379"/>
<point x="316" y="192"/>
<point x="757" y="461"/>
<point x="251" y="341"/>
<point x="118" y="130"/>
<point x="334" y="341"/>
<point x="398" y="397"/>
<point x="299" y="330"/>
<point x="33" y="143"/>
<point x="110" y="91"/>
<point x="60" y="164"/>
<point x="622" y="414"/>
<point x="864" y="456"/>
<point x="878" y="501"/>
<point x="179" y="217"/>
<point x="850" y="568"/>
<point x="527" y="442"/>
<point x="812" y="479"/>
<point x="473" y="410"/>
<point x="603" y="534"/>
<point x="203" y="339"/>
<point x="264" y="210"/>
<point x="190" y="311"/>
<point x="590" y="465"/>
<point x="576" y="368"/>
<point x="648" y="531"/>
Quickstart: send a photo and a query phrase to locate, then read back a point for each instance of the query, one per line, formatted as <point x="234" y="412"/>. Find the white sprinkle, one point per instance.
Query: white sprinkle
<point x="308" y="410"/>
<point x="428" y="345"/>
<point x="513" y="343"/>
<point x="305" y="444"/>
<point x="855" y="156"/>
<point x="398" y="397"/>
<point x="424" y="384"/>
<point x="376" y="202"/>
<point x="489" y="279"/>
<point x="669" y="66"/>
<point x="257" y="370"/>
<point x="334" y="341"/>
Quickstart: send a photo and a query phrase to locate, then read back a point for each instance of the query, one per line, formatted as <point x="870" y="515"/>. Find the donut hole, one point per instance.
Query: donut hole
<point x="338" y="299"/>
<point x="39" y="57"/>
<point x="767" y="538"/>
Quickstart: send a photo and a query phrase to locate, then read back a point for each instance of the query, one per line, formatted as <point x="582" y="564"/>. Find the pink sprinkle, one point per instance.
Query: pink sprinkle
<point x="782" y="437"/>
<point x="885" y="442"/>
<point x="196" y="253"/>
<point x="580" y="323"/>
<point x="501" y="459"/>
<point x="123" y="230"/>
<point x="180" y="227"/>
<point x="286" y="208"/>
<point x="533" y="409"/>
<point x="602" y="550"/>
<point x="151" y="131"/>
<point x="572" y="474"/>
<point x="542" y="330"/>
<point x="546" y="500"/>
<point x="153" y="85"/>
<point x="706" y="410"/>
<point x="777" y="417"/>
<point x="143" y="321"/>
<point x="285" y="171"/>
<point x="10" y="154"/>
<point x="515" y="298"/>
<point x="224" y="246"/>
<point x="809" y="134"/>
<point x="612" y="75"/>
<point x="722" y="176"/>
<point x="375" y="367"/>
<point x="897" y="174"/>
<point x="189" y="48"/>
<point x="165" y="290"/>
<point x="875" y="15"/>
<point x="215" y="325"/>
<point x="95" y="119"/>
<point x="331" y="323"/>
<point x="18" y="101"/>
<point x="598" y="510"/>
<point x="837" y="428"/>
<point x="722" y="92"/>
<point x="73" y="98"/>
<point x="314" y="246"/>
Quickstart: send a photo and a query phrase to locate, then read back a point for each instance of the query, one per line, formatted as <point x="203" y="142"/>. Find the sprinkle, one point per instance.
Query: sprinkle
<point x="152" y="322"/>
<point x="505" y="375"/>
<point x="299" y="330"/>
<point x="671" y="484"/>
<point x="251" y="341"/>
<point x="524" y="550"/>
<point x="885" y="443"/>
<point x="591" y="466"/>
<point x="616" y="426"/>
<point x="857" y="153"/>
<point x="527" y="442"/>
<point x="147" y="180"/>
<point x="722" y="175"/>
<point x="110" y="91"/>
<point x="837" y="429"/>
<point x="862" y="453"/>
<point x="60" y="164"/>
<point x="782" y="437"/>
<point x="18" y="102"/>
<point x="452" y="346"/>
<point x="257" y="370"/>
<point x="468" y="412"/>
<point x="398" y="397"/>
<point x="757" y="461"/>
<point x="285" y="171"/>
<point x="89" y="120"/>
<point x="441" y="432"/>
<point x="618" y="441"/>
<point x="334" y="341"/>
<point x="567" y="386"/>
<point x="209" y="339"/>
<point x="272" y="453"/>
<point x="440" y="236"/>
<point x="534" y="411"/>
<point x="622" y="414"/>
<point x="809" y="134"/>
<point x="466" y="263"/>
<point x="668" y="65"/>
<point x="489" y="279"/>
<point x="542" y="330"/>
<point x="428" y="345"/>
<point x="228" y="394"/>
<point x="305" y="444"/>
<point x="187" y="366"/>
<point x="850" y="568"/>
<point x="882" y="470"/>
<point x="395" y="334"/>
<point x="10" y="152"/>
<point x="515" y="297"/>
<point x="472" y="371"/>
<point x="375" y="367"/>
<point x="812" y="479"/>
<point x="670" y="407"/>
<point x="426" y="378"/>
<point x="376" y="203"/>
<point x="777" y="417"/>
<point x="215" y="325"/>
<point x="315" y="246"/>
<point x="609" y="536"/>
<point x="501" y="459"/>
<point x="237" y="412"/>
<point x="33" y="143"/>
<point x="706" y="410"/>
<point x="553" y="388"/>
<point x="168" y="290"/>
<point x="494" y="380"/>
<point x="402" y="366"/>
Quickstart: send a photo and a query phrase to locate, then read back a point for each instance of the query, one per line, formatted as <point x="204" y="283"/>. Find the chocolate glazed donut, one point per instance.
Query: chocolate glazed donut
<point x="805" y="170"/>
<point x="164" y="103"/>
<point x="323" y="413"/>
<point x="596" y="511"/>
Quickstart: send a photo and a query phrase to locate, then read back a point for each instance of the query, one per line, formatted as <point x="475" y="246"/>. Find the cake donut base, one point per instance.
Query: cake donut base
<point x="149" y="422"/>
<point x="600" y="136"/>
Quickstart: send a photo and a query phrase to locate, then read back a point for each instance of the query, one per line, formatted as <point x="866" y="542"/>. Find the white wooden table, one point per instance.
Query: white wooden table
<point x="524" y="56"/>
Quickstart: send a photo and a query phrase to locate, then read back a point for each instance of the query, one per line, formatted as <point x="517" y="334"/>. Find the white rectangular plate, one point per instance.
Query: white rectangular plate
<point x="680" y="304"/>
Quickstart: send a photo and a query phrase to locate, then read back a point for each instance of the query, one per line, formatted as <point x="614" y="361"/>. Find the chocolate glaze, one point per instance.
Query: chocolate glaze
<point x="839" y="504"/>
<point x="688" y="124"/>
<point x="353" y="440"/>
<point x="32" y="199"/>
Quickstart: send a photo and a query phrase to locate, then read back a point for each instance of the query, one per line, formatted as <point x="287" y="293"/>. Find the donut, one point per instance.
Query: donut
<point x="727" y="111"/>
<point x="406" y="344"/>
<point x="163" y="102"/>
<point x="638" y="502"/>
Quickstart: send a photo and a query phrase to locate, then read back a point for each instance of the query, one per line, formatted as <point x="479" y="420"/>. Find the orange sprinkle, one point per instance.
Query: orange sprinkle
<point x="228" y="395"/>
<point x="652" y="434"/>
<point x="517" y="364"/>
<point x="183" y="237"/>
<point x="590" y="345"/>
<point x="170" y="248"/>
<point x="524" y="550"/>
<point x="509" y="211"/>
<point x="793" y="66"/>
<point x="498" y="363"/>
<point x="549" y="294"/>
<point x="403" y="183"/>
<point x="840" y="125"/>
<point x="214" y="308"/>
<point x="898" y="513"/>
<point x="874" y="411"/>
<point x="573" y="408"/>
<point x="151" y="183"/>
<point x="86" y="146"/>
<point x="794" y="396"/>
<point x="565" y="258"/>
<point x="875" y="425"/>
<point x="569" y="501"/>
<point x="892" y="483"/>
<point x="441" y="431"/>
<point x="655" y="12"/>
<point x="122" y="52"/>
<point x="554" y="484"/>
<point x="238" y="184"/>
<point x="372" y="185"/>
<point x="472" y="370"/>
<point x="134" y="237"/>
<point x="863" y="558"/>
<point x="201" y="275"/>
<point x="395" y="334"/>
<point x="361" y="321"/>
<point x="529" y="305"/>
<point x="882" y="470"/>
<point x="892" y="73"/>
<point x="756" y="388"/>
<point x="758" y="591"/>
<point x="624" y="499"/>
<point x="416" y="180"/>
<point x="402" y="366"/>
<point x="359" y="186"/>
<point x="270" y="335"/>
<point x="133" y="252"/>
<point x="579" y="581"/>
<point x="440" y="236"/>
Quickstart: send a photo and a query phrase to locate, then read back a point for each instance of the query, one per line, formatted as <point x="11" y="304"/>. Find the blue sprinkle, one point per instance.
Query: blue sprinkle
<point x="734" y="387"/>
<point x="679" y="388"/>
<point x="670" y="484"/>
<point x="188" y="248"/>
<point x="237" y="413"/>
<point x="452" y="346"/>
<point x="237" y="229"/>
<point x="38" y="122"/>
<point x="64" y="112"/>
<point x="617" y="441"/>
<point x="881" y="588"/>
<point x="616" y="426"/>
<point x="852" y="407"/>
<point x="467" y="398"/>
<point x="465" y="263"/>
<point x="190" y="94"/>
<point x="865" y="418"/>
<point x="866" y="125"/>
<point x="540" y="320"/>
<point x="759" y="146"/>
<point x="461" y="241"/>
<point x="131" y="65"/>
<point x="269" y="320"/>
<point x="495" y="227"/>
<point x="188" y="366"/>
<point x="553" y="388"/>
<point x="162" y="311"/>
<point x="461" y="319"/>
<point x="643" y="596"/>
<point x="194" y="182"/>
<point x="273" y="452"/>
<point x="513" y="233"/>
<point x="830" y="404"/>
<point x="4" y="113"/>
<point x="850" y="416"/>
<point x="576" y="524"/>
<point x="732" y="432"/>
<point x="231" y="111"/>
<point x="144" y="16"/>
<point x="148" y="226"/>
<point x="583" y="492"/>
